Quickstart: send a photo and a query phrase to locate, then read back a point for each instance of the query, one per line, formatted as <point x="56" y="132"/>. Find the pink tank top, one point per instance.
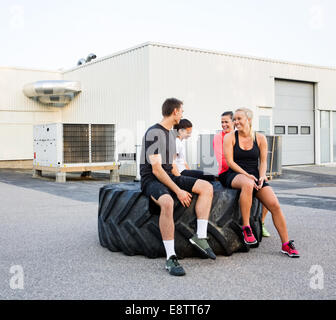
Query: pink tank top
<point x="218" y="148"/>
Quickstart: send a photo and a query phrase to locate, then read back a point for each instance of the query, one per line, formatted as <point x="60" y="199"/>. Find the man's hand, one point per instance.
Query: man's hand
<point x="184" y="197"/>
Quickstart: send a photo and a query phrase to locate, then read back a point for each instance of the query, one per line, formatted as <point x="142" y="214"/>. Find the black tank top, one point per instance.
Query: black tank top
<point x="247" y="159"/>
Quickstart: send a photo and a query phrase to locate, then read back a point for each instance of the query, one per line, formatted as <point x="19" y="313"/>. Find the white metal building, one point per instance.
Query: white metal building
<point x="297" y="101"/>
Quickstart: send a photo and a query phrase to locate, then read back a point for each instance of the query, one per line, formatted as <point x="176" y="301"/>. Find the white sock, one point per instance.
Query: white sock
<point x="170" y="248"/>
<point x="202" y="226"/>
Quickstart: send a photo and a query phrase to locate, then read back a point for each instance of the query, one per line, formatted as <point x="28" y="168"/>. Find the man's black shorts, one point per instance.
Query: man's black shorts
<point x="156" y="189"/>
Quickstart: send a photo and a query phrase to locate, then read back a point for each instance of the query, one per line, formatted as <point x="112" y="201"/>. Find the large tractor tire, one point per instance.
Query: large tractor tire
<point x="128" y="221"/>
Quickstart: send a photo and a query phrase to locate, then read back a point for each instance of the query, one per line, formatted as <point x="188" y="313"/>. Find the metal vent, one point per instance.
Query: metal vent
<point x="52" y="92"/>
<point x="76" y="143"/>
<point x="274" y="155"/>
<point x="102" y="142"/>
<point x="126" y="156"/>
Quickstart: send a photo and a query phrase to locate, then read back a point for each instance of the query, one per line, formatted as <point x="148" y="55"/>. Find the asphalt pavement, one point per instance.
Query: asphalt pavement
<point x="50" y="248"/>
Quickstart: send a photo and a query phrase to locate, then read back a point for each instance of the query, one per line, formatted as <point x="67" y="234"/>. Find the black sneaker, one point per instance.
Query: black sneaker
<point x="202" y="246"/>
<point x="173" y="267"/>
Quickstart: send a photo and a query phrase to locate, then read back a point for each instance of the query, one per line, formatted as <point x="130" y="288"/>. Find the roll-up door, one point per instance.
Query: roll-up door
<point x="293" y="118"/>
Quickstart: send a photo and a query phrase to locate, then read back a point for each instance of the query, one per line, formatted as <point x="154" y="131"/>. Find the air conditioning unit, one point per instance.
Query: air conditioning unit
<point x="206" y="159"/>
<point x="69" y="145"/>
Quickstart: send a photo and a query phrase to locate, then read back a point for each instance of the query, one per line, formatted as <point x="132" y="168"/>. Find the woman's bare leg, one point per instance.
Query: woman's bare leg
<point x="268" y="198"/>
<point x="246" y="186"/>
<point x="263" y="215"/>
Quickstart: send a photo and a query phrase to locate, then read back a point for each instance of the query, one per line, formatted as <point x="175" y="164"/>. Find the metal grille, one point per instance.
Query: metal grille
<point x="274" y="152"/>
<point x="126" y="156"/>
<point x="206" y="159"/>
<point x="76" y="143"/>
<point x="102" y="142"/>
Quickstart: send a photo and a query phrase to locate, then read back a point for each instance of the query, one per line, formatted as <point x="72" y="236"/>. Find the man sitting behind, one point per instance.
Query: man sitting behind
<point x="184" y="130"/>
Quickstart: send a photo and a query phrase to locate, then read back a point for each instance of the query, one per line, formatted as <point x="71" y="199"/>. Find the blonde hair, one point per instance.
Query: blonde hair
<point x="249" y="116"/>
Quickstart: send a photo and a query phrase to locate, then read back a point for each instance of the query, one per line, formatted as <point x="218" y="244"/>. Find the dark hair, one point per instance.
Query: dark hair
<point x="227" y="113"/>
<point x="184" y="124"/>
<point x="169" y="105"/>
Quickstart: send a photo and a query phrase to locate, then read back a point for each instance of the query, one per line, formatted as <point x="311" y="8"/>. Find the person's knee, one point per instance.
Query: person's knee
<point x="204" y="188"/>
<point x="274" y="206"/>
<point x="248" y="186"/>
<point x="166" y="203"/>
<point x="208" y="188"/>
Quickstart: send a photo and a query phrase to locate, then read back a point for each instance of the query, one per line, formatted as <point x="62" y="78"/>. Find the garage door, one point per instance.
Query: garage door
<point x="293" y="118"/>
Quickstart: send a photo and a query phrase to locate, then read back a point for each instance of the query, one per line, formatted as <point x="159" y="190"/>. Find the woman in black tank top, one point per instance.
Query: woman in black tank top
<point x="246" y="156"/>
<point x="248" y="160"/>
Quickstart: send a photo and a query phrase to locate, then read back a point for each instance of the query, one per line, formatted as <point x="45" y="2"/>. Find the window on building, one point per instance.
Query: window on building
<point x="305" y="129"/>
<point x="279" y="130"/>
<point x="293" y="130"/>
<point x="265" y="124"/>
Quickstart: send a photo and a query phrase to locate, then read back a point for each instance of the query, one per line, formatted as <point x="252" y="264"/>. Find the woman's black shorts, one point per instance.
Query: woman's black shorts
<point x="226" y="179"/>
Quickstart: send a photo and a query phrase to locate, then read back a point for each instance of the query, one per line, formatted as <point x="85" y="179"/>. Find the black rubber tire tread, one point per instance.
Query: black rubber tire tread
<point x="128" y="221"/>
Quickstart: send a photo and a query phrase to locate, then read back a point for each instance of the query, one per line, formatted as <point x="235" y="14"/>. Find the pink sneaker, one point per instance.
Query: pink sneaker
<point x="289" y="249"/>
<point x="248" y="235"/>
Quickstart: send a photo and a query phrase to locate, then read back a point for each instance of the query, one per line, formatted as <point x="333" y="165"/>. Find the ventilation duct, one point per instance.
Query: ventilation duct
<point x="52" y="92"/>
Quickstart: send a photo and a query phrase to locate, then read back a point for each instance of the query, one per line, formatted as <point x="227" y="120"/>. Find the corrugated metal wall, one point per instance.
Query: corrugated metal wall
<point x="114" y="90"/>
<point x="128" y="89"/>
<point x="210" y="83"/>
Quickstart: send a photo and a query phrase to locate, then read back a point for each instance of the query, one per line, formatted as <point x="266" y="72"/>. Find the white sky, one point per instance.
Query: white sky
<point x="56" y="34"/>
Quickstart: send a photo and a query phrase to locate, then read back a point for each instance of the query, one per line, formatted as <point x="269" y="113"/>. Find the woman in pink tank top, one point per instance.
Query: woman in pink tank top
<point x="227" y="126"/>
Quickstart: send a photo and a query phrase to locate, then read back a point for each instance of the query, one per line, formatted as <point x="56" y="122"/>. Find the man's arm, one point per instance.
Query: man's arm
<point x="175" y="171"/>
